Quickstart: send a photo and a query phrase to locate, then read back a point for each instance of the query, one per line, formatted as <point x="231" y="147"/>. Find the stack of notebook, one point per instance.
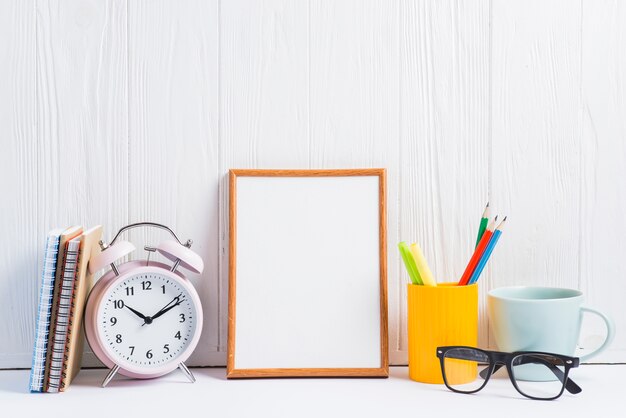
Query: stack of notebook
<point x="65" y="284"/>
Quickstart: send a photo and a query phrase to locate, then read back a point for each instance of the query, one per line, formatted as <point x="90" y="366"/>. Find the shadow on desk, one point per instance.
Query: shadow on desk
<point x="95" y="378"/>
<point x="17" y="381"/>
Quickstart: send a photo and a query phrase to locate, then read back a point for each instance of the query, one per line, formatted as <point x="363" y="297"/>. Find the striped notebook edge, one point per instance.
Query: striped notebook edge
<point x="43" y="311"/>
<point x="82" y="286"/>
<point x="59" y="356"/>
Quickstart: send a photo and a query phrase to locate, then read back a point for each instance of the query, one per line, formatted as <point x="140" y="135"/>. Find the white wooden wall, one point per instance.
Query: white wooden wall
<point x="118" y="111"/>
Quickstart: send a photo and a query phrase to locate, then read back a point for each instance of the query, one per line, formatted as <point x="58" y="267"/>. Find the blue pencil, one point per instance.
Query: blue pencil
<point x="483" y="261"/>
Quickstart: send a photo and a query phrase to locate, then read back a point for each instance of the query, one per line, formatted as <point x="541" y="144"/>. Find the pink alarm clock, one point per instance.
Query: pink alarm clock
<point x="143" y="318"/>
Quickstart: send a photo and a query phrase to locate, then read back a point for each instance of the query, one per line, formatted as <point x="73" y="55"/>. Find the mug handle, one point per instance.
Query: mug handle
<point x="610" y="333"/>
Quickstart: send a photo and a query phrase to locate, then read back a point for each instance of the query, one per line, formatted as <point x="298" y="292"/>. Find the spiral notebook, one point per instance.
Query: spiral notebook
<point x="42" y="328"/>
<point x="66" y="237"/>
<point x="59" y="336"/>
<point x="65" y="284"/>
<point x="83" y="283"/>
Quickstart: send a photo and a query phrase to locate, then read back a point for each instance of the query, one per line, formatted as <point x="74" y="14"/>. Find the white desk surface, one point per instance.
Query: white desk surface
<point x="212" y="395"/>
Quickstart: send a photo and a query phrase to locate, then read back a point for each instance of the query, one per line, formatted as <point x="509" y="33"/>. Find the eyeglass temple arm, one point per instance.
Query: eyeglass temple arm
<point x="570" y="385"/>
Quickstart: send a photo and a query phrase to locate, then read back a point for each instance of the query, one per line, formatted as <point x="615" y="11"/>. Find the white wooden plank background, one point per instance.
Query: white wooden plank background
<point x="444" y="125"/>
<point x="116" y="111"/>
<point x="18" y="181"/>
<point x="603" y="158"/>
<point x="264" y="106"/>
<point x="354" y="52"/>
<point x="82" y="115"/>
<point x="536" y="141"/>
<point x="173" y="146"/>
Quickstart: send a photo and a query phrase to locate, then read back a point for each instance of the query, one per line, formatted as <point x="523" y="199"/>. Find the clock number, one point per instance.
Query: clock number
<point x="118" y="338"/>
<point x="147" y="285"/>
<point x="177" y="335"/>
<point x="132" y="349"/>
<point x="113" y="320"/>
<point x="149" y="354"/>
<point x="163" y="287"/>
<point x="182" y="318"/>
<point x="166" y="348"/>
<point x="119" y="304"/>
<point x="130" y="291"/>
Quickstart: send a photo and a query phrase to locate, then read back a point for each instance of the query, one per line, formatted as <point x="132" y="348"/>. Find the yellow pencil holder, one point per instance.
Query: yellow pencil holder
<point x="439" y="316"/>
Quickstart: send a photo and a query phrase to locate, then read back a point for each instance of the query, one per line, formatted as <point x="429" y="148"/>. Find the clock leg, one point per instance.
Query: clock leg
<point x="110" y="375"/>
<point x="187" y="372"/>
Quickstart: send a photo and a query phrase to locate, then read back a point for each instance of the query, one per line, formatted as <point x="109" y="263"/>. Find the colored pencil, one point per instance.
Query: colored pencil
<point x="483" y="260"/>
<point x="409" y="263"/>
<point x="484" y="220"/>
<point x="478" y="252"/>
<point x="422" y="266"/>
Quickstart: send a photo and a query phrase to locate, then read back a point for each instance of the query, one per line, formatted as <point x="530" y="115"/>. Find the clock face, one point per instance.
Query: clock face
<point x="146" y="320"/>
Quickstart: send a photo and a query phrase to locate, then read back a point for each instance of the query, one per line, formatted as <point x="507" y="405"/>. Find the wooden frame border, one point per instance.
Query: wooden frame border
<point x="383" y="370"/>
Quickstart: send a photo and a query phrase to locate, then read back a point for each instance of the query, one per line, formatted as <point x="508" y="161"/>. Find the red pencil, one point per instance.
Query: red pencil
<point x="478" y="253"/>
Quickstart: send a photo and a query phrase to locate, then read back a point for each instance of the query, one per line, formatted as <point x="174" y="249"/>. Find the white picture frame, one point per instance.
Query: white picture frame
<point x="307" y="273"/>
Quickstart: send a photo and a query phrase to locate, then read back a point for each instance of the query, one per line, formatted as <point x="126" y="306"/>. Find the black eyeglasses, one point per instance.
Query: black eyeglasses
<point x="535" y="375"/>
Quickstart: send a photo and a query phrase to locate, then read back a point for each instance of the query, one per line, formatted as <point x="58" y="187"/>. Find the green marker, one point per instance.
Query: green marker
<point x="409" y="263"/>
<point x="483" y="224"/>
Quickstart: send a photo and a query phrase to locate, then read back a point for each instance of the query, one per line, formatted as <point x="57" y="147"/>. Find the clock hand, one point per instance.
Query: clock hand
<point x="168" y="304"/>
<point x="164" y="309"/>
<point x="158" y="314"/>
<point x="136" y="312"/>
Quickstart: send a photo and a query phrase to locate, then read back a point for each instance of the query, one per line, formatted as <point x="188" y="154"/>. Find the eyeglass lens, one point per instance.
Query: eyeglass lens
<point x="538" y="375"/>
<point x="460" y="367"/>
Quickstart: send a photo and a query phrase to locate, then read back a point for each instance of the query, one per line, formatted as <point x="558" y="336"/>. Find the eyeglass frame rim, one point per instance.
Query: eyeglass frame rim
<point x="495" y="357"/>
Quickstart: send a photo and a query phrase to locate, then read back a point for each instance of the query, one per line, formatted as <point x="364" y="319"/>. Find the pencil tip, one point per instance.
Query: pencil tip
<point x="486" y="211"/>
<point x="505" y="218"/>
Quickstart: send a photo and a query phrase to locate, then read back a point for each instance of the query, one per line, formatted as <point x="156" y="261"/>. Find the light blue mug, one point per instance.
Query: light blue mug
<point x="544" y="319"/>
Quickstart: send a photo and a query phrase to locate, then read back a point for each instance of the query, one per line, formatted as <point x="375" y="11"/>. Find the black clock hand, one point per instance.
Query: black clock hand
<point x="136" y="312"/>
<point x="177" y="301"/>
<point x="168" y="304"/>
<point x="158" y="314"/>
